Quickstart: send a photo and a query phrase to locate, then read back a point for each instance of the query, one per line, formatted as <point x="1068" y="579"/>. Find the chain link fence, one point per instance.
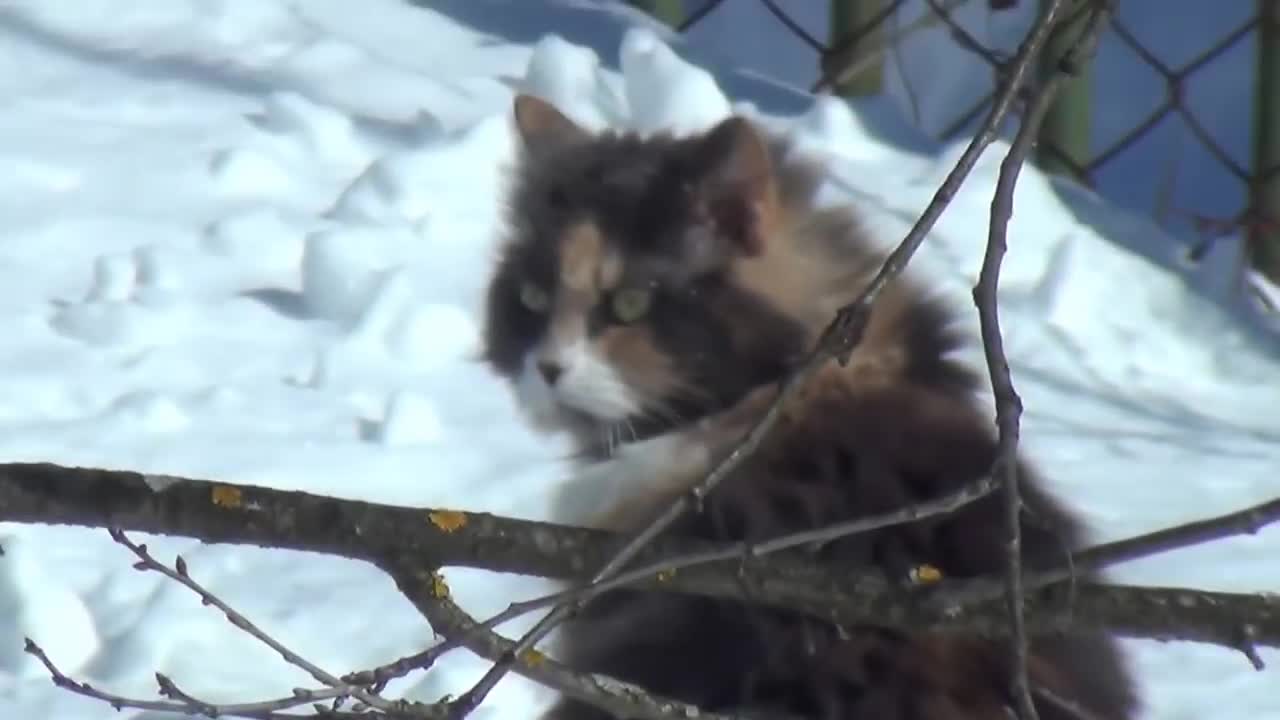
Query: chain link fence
<point x="1209" y="168"/>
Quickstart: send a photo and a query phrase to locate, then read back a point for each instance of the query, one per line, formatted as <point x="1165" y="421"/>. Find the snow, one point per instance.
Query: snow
<point x="247" y="240"/>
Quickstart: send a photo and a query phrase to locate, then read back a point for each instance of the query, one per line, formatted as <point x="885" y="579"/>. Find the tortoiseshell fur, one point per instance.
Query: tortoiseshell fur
<point x="650" y="295"/>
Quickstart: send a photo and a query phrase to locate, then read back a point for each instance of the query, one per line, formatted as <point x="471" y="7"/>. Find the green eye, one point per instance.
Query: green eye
<point x="534" y="297"/>
<point x="631" y="304"/>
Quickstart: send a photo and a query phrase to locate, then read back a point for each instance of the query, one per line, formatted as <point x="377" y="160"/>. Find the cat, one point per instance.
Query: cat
<point x="650" y="294"/>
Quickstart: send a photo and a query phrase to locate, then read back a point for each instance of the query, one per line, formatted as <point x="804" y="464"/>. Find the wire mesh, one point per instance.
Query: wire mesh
<point x="1208" y="215"/>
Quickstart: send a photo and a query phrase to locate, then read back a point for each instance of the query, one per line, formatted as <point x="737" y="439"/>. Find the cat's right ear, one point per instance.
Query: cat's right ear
<point x="735" y="183"/>
<point x="540" y="124"/>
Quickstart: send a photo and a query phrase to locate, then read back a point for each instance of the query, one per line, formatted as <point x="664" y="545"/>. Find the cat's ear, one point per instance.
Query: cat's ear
<point x="736" y="185"/>
<point x="540" y="124"/>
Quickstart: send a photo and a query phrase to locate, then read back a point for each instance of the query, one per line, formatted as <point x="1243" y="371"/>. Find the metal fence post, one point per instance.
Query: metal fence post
<point x="1064" y="137"/>
<point x="670" y="12"/>
<point x="847" y="18"/>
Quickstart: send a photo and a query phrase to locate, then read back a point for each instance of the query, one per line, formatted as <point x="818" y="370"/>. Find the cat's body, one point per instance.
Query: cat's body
<point x="653" y="293"/>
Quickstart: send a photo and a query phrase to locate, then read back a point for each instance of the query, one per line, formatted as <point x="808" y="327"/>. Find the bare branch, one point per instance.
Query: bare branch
<point x="376" y="679"/>
<point x="119" y="703"/>
<point x="427" y="590"/>
<point x="952" y="593"/>
<point x="1100" y="557"/>
<point x="370" y="532"/>
<point x="180" y="575"/>
<point x="985" y="294"/>
<point x="184" y="703"/>
<point x="736" y="551"/>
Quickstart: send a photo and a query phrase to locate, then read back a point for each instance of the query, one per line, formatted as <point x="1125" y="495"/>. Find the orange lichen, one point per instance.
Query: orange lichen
<point x="227" y="496"/>
<point x="447" y="520"/>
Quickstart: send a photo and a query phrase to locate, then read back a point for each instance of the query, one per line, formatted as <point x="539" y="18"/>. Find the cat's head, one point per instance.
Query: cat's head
<point x="619" y="306"/>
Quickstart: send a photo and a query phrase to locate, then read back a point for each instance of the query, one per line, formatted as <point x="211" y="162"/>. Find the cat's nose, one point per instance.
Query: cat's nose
<point x="551" y="370"/>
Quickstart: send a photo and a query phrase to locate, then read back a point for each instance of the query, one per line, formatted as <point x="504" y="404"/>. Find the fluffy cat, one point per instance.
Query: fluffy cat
<point x="649" y="296"/>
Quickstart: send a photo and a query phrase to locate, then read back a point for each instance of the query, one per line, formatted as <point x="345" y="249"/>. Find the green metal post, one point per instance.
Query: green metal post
<point x="847" y="17"/>
<point x="670" y="12"/>
<point x="1064" y="137"/>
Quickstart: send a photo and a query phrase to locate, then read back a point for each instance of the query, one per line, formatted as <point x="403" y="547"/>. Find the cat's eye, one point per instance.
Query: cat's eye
<point x="631" y="304"/>
<point x="534" y="297"/>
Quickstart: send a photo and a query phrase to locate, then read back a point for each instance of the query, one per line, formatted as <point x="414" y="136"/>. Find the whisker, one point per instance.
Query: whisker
<point x="607" y="431"/>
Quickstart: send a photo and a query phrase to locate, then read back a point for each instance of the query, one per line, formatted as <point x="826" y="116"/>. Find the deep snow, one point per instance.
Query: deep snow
<point x="246" y="241"/>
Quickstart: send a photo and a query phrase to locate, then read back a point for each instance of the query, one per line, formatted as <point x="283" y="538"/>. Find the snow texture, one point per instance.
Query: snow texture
<point x="247" y="240"/>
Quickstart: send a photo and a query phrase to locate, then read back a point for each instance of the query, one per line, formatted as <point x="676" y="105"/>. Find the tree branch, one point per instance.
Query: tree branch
<point x="178" y="573"/>
<point x="427" y="590"/>
<point x="985" y="296"/>
<point x="739" y="550"/>
<point x="186" y="705"/>
<point x="1100" y="557"/>
<point x="424" y="537"/>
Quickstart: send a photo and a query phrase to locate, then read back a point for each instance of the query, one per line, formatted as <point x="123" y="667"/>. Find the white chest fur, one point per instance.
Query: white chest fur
<point x="634" y="481"/>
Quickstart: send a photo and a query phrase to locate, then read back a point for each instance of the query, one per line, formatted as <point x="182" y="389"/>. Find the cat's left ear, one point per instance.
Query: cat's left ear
<point x="736" y="187"/>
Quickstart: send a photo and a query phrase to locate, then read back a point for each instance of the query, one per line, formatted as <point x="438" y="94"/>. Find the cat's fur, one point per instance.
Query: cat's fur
<point x="666" y="285"/>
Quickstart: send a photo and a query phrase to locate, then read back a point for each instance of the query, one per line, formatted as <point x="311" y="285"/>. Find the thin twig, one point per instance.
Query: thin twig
<point x="1099" y="557"/>
<point x="300" y="696"/>
<point x="985" y="296"/>
<point x="185" y="704"/>
<point x="376" y="679"/>
<point x="429" y="593"/>
<point x="179" y="574"/>
<point x="736" y="551"/>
